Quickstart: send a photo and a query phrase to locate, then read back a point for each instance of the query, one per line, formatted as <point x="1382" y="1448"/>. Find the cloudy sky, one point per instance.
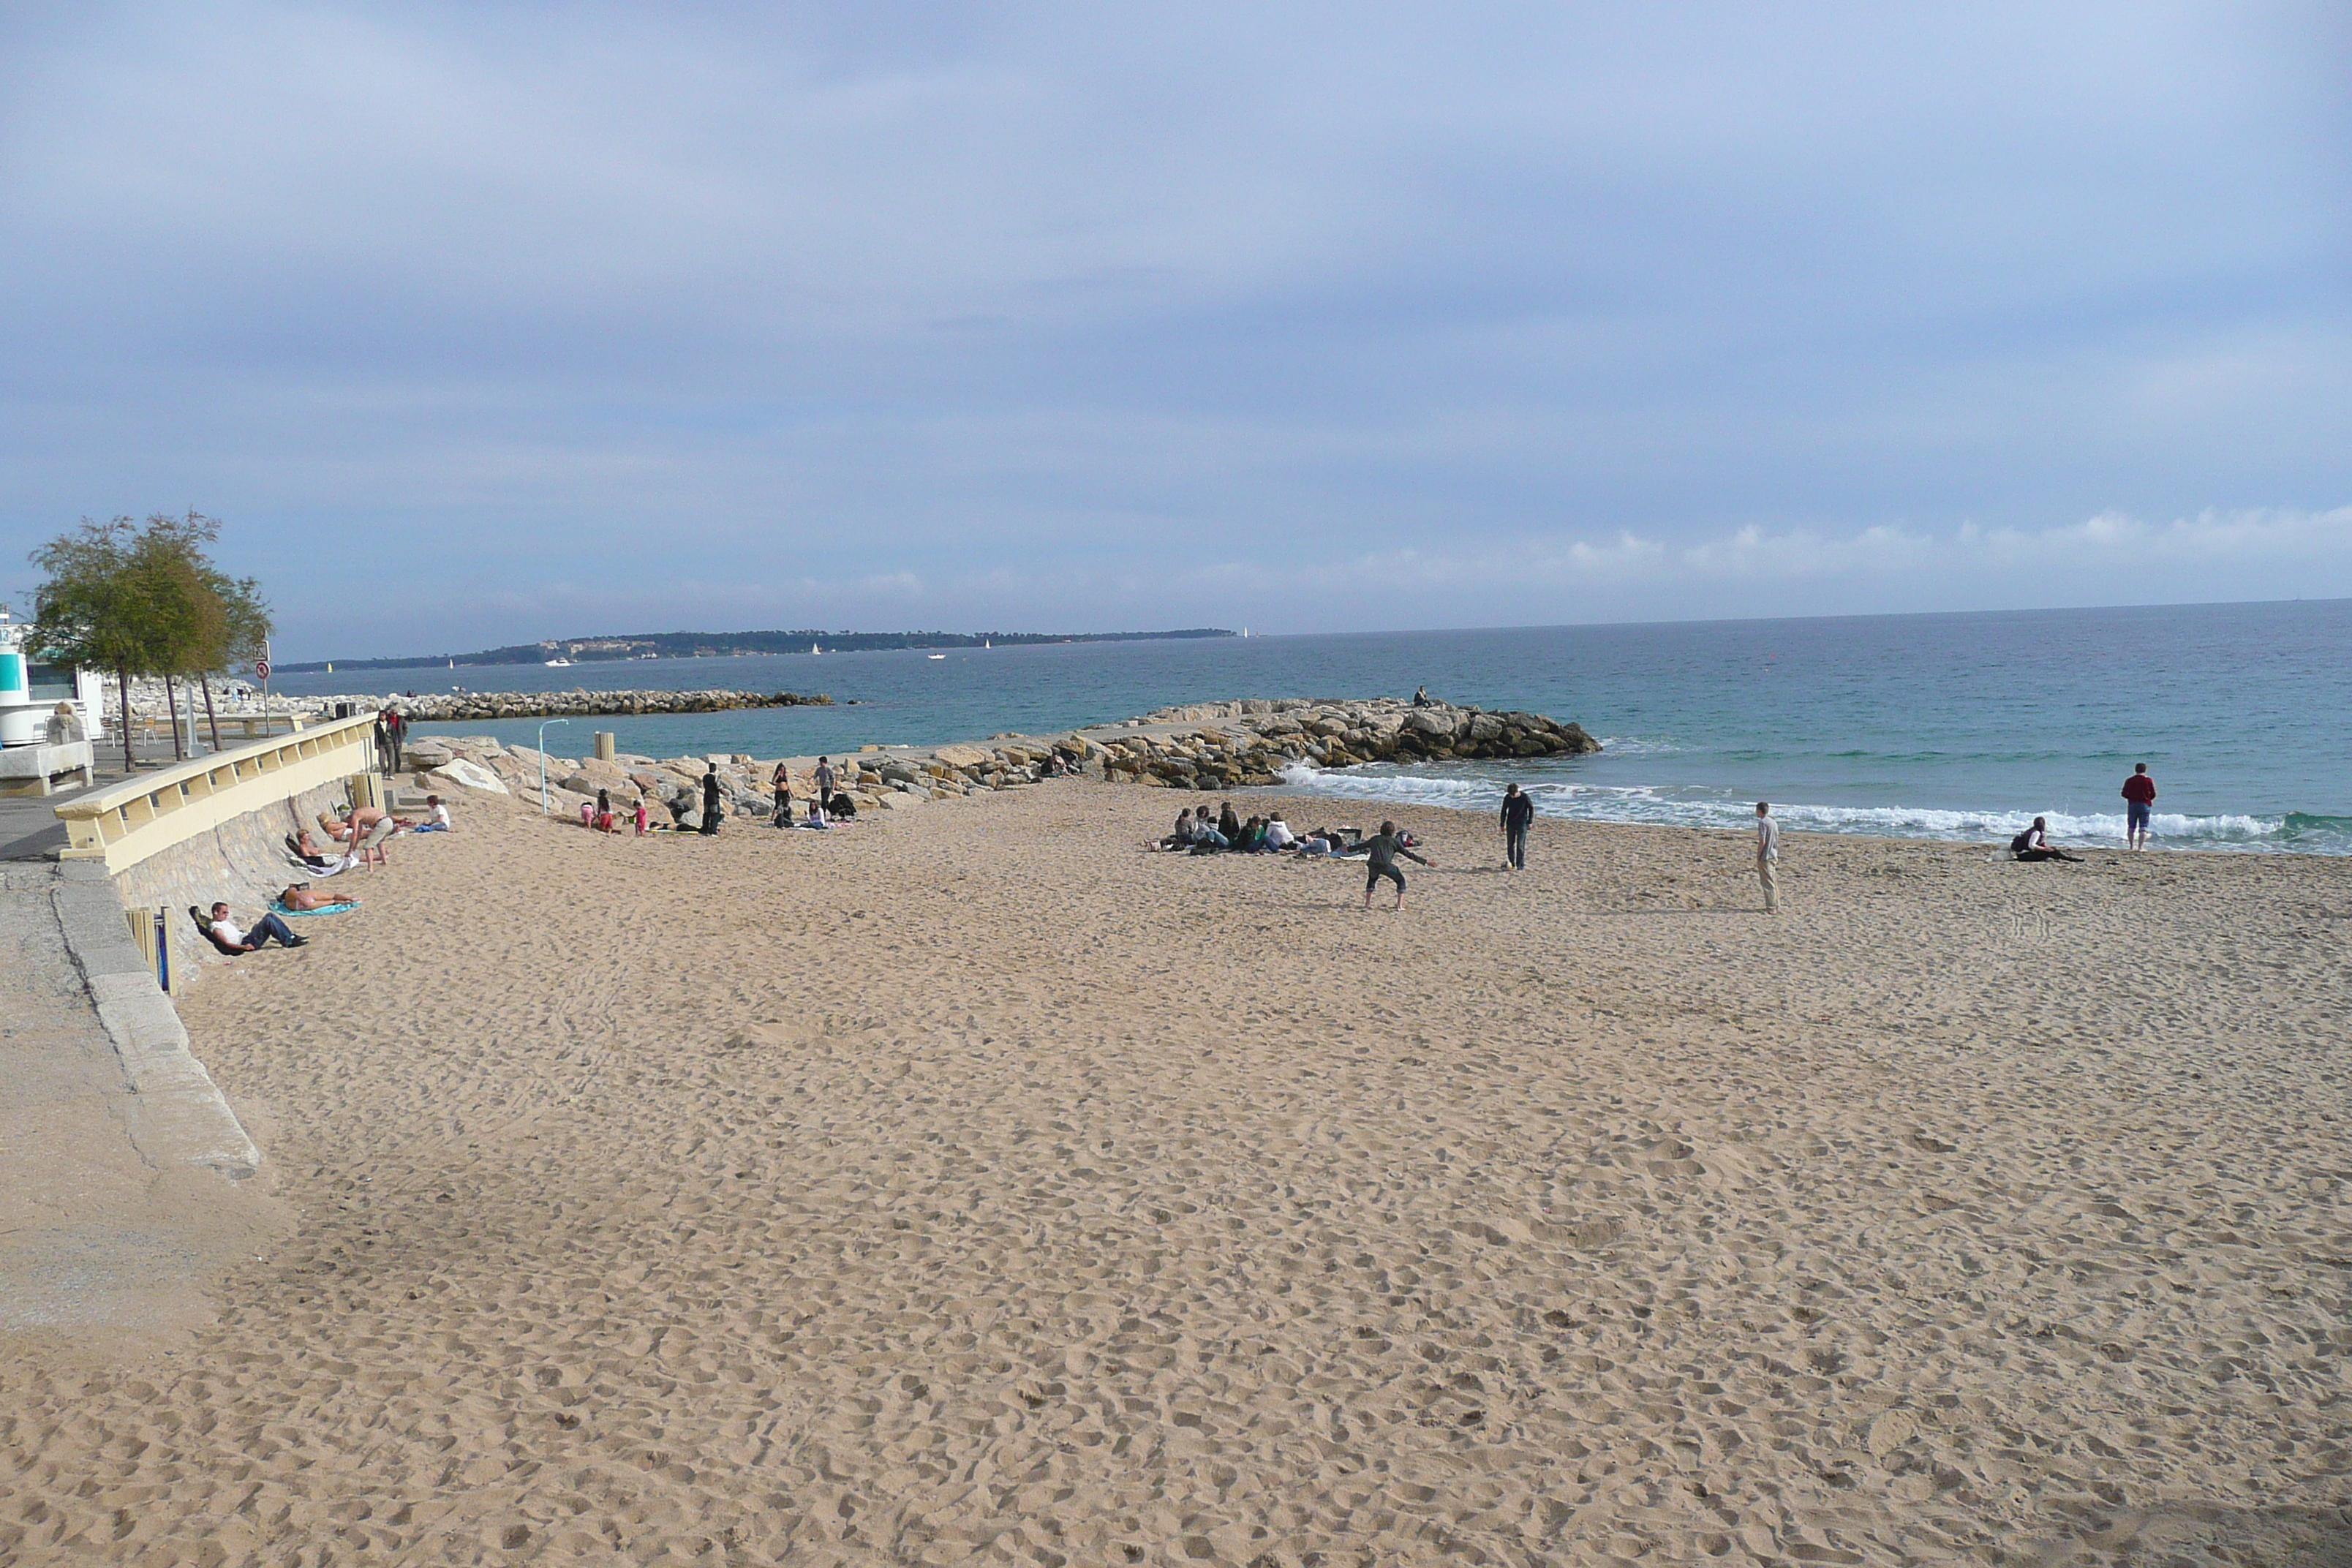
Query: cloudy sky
<point x="485" y="322"/>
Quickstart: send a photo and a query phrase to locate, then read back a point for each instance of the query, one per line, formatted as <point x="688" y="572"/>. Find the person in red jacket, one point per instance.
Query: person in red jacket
<point x="2139" y="805"/>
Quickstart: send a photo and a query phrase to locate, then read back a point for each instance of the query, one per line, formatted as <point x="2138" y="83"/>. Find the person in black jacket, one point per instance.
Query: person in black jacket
<point x="710" y="801"/>
<point x="1518" y="810"/>
<point x="1381" y="850"/>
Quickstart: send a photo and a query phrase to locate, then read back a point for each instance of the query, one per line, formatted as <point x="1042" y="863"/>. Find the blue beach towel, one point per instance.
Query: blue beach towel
<point x="277" y="907"/>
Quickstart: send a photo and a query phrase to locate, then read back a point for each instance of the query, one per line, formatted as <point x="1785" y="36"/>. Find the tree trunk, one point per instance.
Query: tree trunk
<point x="122" y="683"/>
<point x="171" y="707"/>
<point x="211" y="719"/>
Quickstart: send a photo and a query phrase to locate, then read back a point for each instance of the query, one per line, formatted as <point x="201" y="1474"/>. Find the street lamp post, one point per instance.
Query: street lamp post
<point x="543" y="762"/>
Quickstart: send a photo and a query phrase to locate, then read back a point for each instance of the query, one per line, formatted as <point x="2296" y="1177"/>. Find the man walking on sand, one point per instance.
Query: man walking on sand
<point x="1518" y="810"/>
<point x="2139" y="805"/>
<point x="1767" y="856"/>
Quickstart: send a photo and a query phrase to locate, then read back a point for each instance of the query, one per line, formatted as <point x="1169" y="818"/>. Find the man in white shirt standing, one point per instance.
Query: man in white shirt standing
<point x="1767" y="856"/>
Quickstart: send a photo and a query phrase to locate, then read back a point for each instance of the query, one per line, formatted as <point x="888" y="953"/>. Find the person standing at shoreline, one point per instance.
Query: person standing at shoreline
<point x="1767" y="856"/>
<point x="1519" y="811"/>
<point x="2139" y="805"/>
<point x="710" y="801"/>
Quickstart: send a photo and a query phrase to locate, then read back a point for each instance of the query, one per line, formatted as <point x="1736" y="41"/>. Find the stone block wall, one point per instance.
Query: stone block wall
<point x="243" y="861"/>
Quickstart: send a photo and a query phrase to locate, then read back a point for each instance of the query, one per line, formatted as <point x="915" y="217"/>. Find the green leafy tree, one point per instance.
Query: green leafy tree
<point x="211" y="620"/>
<point x="94" y="611"/>
<point x="146" y="600"/>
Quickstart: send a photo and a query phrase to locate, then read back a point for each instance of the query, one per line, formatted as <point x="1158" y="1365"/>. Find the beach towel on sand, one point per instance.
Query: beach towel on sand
<point x="277" y="907"/>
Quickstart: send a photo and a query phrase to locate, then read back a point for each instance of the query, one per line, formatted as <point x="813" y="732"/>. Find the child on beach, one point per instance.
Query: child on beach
<point x="641" y="816"/>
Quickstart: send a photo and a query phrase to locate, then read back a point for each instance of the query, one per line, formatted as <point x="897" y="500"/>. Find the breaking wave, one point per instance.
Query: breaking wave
<point x="1465" y="790"/>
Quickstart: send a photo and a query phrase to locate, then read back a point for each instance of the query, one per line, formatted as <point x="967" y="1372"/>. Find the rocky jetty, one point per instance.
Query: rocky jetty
<point x="439" y="707"/>
<point x="236" y="698"/>
<point x="1206" y="746"/>
<point x="1219" y="745"/>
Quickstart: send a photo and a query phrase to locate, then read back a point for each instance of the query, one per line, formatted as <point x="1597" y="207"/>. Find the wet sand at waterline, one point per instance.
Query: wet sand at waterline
<point x="968" y="1184"/>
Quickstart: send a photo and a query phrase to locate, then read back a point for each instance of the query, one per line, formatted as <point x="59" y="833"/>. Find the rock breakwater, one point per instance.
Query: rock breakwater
<point x="440" y="707"/>
<point x="1205" y="746"/>
<point x="238" y="700"/>
<point x="1220" y="745"/>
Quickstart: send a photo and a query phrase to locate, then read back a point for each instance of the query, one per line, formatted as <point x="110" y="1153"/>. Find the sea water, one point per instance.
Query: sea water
<point x="1946" y="726"/>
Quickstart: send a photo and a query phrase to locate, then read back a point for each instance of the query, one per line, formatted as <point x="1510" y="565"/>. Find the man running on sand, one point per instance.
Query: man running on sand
<point x="1381" y="862"/>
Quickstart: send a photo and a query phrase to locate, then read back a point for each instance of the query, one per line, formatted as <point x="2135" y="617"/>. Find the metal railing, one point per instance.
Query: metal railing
<point x="246" y="726"/>
<point x="143" y="816"/>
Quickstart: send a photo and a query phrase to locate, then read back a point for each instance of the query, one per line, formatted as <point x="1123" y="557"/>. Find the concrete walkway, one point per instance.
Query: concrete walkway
<point x="29" y="829"/>
<point x="124" y="1162"/>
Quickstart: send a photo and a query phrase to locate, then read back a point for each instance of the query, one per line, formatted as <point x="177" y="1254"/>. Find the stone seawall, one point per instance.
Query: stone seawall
<point x="243" y="861"/>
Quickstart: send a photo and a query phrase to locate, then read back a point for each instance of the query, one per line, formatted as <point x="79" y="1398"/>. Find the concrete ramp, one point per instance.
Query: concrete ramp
<point x="126" y="1167"/>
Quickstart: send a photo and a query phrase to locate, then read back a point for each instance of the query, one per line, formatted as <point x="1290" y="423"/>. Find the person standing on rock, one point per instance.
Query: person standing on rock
<point x="1767" y="856"/>
<point x="2139" y="805"/>
<point x="710" y="801"/>
<point x="391" y="730"/>
<point x="1519" y="811"/>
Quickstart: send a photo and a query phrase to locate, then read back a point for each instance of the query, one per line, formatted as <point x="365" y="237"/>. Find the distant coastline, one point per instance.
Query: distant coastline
<point x="724" y="645"/>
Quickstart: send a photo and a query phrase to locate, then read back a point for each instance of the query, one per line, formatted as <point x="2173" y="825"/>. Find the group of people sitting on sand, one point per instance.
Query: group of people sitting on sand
<point x="1199" y="832"/>
<point x="826" y="801"/>
<point x="1203" y="832"/>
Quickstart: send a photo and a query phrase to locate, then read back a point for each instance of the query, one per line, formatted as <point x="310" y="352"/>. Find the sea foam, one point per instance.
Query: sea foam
<point x="1468" y="791"/>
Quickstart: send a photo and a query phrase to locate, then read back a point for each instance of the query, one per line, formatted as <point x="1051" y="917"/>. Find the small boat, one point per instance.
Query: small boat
<point x="935" y="656"/>
<point x="813" y="648"/>
<point x="559" y="664"/>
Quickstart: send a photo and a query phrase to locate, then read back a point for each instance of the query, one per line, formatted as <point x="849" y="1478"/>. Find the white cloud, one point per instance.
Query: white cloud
<point x="1092" y="316"/>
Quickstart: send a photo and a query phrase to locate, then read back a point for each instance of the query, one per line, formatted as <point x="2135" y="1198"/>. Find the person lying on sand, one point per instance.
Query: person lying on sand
<point x="305" y="849"/>
<point x="299" y="897"/>
<point x="229" y="938"/>
<point x="1382" y="849"/>
<point x="2033" y="844"/>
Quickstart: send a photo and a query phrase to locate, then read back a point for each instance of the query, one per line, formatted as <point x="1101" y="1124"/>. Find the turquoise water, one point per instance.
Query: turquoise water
<point x="1958" y="726"/>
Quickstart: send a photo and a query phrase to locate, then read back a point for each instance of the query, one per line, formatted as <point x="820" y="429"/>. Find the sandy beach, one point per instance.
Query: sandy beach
<point x="968" y="1184"/>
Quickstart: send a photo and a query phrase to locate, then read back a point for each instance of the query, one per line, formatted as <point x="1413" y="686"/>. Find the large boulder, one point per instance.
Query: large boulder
<point x="458" y="773"/>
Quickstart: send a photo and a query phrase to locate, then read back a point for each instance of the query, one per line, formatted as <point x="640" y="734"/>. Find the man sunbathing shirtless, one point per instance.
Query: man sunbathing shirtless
<point x="348" y="829"/>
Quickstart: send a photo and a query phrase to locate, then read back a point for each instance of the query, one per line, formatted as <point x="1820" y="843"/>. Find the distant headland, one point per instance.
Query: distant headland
<point x="721" y="645"/>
